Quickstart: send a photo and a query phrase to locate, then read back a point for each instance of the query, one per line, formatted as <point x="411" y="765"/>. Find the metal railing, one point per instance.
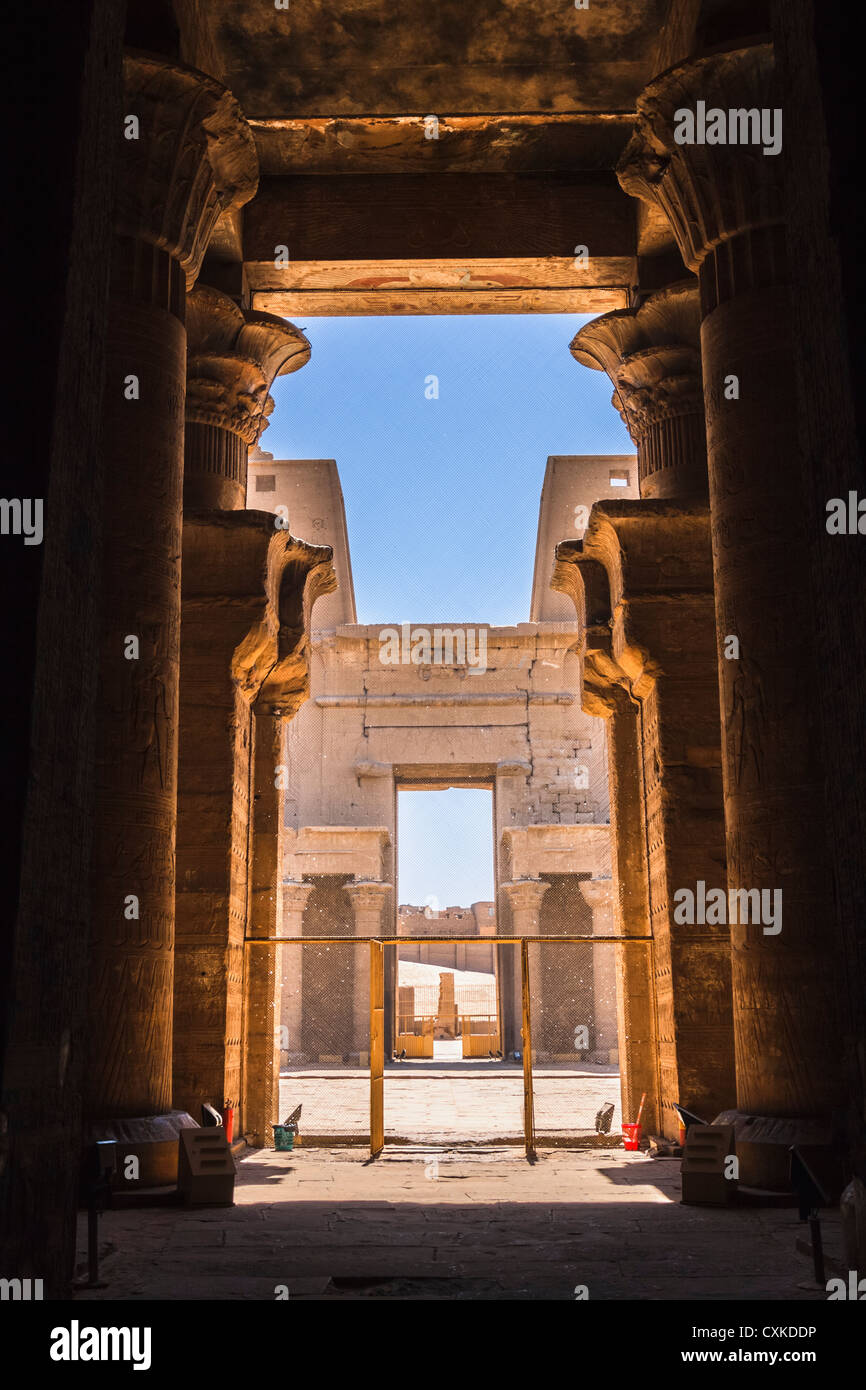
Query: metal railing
<point x="376" y="1011"/>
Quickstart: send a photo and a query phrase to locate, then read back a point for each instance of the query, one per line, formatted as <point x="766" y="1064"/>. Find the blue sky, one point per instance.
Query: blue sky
<point x="442" y="495"/>
<point x="442" y="498"/>
<point x="445" y="847"/>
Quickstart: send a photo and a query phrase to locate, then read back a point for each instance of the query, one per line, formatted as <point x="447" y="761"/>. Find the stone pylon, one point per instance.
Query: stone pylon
<point x="188" y="155"/>
<point x="724" y="205"/>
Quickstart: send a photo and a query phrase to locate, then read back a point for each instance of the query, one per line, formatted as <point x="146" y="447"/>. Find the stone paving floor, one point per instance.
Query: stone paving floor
<point x="452" y="1102"/>
<point x="454" y="1224"/>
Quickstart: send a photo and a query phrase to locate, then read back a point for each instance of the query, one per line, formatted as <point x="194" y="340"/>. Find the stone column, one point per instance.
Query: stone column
<point x="247" y="593"/>
<point x="234" y="355"/>
<point x="187" y="156"/>
<point x="652" y="355"/>
<point x="524" y="898"/>
<point x="724" y="205"/>
<point x="368" y="898"/>
<point x="586" y="582"/>
<point x="657" y="555"/>
<point x="295" y="898"/>
<point x="265" y="964"/>
<point x="598" y="893"/>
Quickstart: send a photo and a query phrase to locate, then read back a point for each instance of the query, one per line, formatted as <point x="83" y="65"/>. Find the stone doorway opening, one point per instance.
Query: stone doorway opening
<point x="446" y="999"/>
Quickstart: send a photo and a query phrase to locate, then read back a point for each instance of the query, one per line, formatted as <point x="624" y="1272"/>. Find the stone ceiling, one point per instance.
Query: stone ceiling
<point x="516" y="84"/>
<point x="533" y="100"/>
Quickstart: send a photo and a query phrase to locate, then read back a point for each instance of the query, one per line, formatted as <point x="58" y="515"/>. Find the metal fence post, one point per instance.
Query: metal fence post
<point x="528" y="1112"/>
<point x="377" y="1048"/>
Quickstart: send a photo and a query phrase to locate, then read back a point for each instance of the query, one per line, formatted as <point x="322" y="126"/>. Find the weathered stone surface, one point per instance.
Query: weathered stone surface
<point x="652" y="355"/>
<point x="248" y="591"/>
<point x="329" y="1226"/>
<point x="234" y="355"/>
<point x="725" y="206"/>
<point x="653" y="558"/>
<point x="192" y="158"/>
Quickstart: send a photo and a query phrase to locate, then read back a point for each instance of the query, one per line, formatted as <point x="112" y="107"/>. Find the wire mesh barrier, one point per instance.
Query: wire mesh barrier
<point x="325" y="1039"/>
<point x="378" y="1049"/>
<point x="573" y="1020"/>
<point x="448" y="1079"/>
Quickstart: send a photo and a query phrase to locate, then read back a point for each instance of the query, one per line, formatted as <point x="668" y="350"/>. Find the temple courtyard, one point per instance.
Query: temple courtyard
<point x="454" y="1102"/>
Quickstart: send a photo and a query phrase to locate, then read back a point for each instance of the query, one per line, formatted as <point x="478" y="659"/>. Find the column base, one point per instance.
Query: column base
<point x="763" y="1144"/>
<point x="152" y="1139"/>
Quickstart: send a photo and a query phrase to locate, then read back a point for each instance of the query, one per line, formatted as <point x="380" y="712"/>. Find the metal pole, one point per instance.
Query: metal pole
<point x="377" y="1048"/>
<point x="526" y="1036"/>
<point x="92" y="1242"/>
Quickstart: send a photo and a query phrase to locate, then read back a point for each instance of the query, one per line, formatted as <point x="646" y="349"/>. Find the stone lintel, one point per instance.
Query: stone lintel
<point x="358" y="850"/>
<point x="536" y="850"/>
<point x="517" y="697"/>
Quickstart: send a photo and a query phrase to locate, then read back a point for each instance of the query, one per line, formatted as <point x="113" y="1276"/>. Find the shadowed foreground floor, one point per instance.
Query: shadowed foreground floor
<point x="451" y="1224"/>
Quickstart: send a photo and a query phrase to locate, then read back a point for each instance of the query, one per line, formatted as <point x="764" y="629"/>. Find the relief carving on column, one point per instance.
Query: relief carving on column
<point x="525" y="896"/>
<point x="234" y="356"/>
<point x="295" y="898"/>
<point x="194" y="156"/>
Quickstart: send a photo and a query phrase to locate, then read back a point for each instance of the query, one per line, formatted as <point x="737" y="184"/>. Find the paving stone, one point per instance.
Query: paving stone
<point x="501" y="1228"/>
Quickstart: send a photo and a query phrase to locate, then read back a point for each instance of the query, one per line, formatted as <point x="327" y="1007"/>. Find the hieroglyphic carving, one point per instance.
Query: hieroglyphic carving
<point x="186" y="157"/>
<point x="724" y="204"/>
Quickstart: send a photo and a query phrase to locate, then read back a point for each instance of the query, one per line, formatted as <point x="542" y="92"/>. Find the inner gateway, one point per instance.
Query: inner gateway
<point x="397" y="713"/>
<point x="448" y="1006"/>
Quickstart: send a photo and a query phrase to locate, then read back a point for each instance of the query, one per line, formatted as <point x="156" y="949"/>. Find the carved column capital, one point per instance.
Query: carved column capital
<point x="192" y="157"/>
<point x="234" y="355"/>
<point x="653" y="358"/>
<point x="368" y="898"/>
<point x="524" y="896"/>
<point x="712" y="190"/>
<point x="598" y="895"/>
<point x="368" y="894"/>
<point x="296" y="895"/>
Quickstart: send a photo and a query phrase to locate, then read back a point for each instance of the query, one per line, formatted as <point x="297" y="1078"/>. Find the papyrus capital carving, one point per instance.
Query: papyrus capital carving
<point x="234" y="356"/>
<point x="193" y="157"/>
<point x="652" y="356"/>
<point x="709" y="193"/>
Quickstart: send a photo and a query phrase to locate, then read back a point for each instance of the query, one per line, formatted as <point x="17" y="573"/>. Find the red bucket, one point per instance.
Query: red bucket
<point x="631" y="1137"/>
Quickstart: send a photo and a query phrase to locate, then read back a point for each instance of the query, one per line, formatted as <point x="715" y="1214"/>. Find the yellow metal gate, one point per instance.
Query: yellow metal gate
<point x="356" y="1054"/>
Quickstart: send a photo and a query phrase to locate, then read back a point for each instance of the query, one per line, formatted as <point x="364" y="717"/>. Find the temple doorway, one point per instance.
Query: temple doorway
<point x="447" y="996"/>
